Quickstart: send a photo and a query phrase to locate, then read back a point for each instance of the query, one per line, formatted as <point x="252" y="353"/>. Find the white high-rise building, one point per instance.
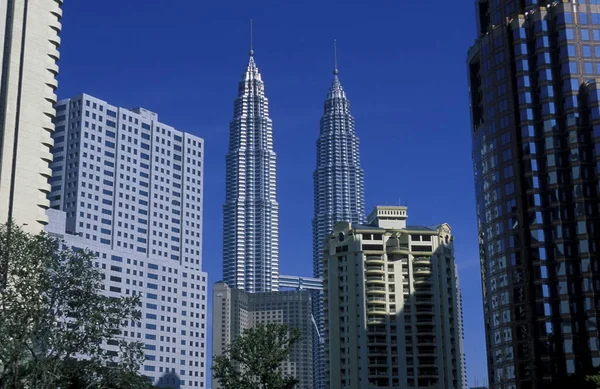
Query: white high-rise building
<point x="130" y="189"/>
<point x="29" y="42"/>
<point x="127" y="180"/>
<point x="392" y="305"/>
<point x="251" y="211"/>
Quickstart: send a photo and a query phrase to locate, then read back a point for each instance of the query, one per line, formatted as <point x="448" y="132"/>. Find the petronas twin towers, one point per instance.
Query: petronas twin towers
<point x="251" y="211"/>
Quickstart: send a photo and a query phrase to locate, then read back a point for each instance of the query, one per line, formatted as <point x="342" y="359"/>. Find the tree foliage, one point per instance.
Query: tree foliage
<point x="55" y="322"/>
<point x="254" y="359"/>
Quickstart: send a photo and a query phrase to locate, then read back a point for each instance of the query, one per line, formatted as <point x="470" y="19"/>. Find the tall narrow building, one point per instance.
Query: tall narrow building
<point x="251" y="211"/>
<point x="338" y="179"/>
<point x="338" y="190"/>
<point x="533" y="79"/>
<point x="392" y="305"/>
<point x="29" y="45"/>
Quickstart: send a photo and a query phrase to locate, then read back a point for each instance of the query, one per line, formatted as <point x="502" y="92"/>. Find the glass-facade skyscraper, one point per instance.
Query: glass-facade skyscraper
<point x="535" y="113"/>
<point x="338" y="190"/>
<point x="251" y="211"/>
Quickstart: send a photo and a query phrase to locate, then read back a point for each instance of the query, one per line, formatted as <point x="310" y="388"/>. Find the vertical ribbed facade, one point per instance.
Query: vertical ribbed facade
<point x="535" y="112"/>
<point x="338" y="179"/>
<point x="338" y="189"/>
<point x="251" y="212"/>
<point x="29" y="42"/>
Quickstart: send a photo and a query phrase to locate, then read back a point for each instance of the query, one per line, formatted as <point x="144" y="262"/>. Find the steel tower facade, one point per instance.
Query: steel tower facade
<point x="535" y="112"/>
<point x="251" y="211"/>
<point x="338" y="191"/>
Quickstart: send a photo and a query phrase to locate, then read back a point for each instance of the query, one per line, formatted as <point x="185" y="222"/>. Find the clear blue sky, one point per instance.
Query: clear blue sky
<point x="402" y="64"/>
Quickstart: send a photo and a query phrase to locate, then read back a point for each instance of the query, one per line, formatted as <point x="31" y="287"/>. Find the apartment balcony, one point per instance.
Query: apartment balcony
<point x="377" y="341"/>
<point x="397" y="248"/>
<point x="376" y="330"/>
<point x="421" y="271"/>
<point x="427" y="361"/>
<point x="428" y="373"/>
<point x="424" y="291"/>
<point x="374" y="269"/>
<point x="376" y="300"/>
<point x="427" y="351"/>
<point x="377" y="351"/>
<point x="425" y="320"/>
<point x="378" y="362"/>
<point x="376" y="290"/>
<point x="424" y="302"/>
<point x="424" y="312"/>
<point x="374" y="261"/>
<point x="376" y="310"/>
<point x="380" y="319"/>
<point x="425" y="329"/>
<point x="423" y="281"/>
<point x="426" y="341"/>
<point x="375" y="279"/>
<point x="422" y="261"/>
<point x="378" y="373"/>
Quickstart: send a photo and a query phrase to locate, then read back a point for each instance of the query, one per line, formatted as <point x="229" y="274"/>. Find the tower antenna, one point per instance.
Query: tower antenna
<point x="335" y="61"/>
<point x="251" y="38"/>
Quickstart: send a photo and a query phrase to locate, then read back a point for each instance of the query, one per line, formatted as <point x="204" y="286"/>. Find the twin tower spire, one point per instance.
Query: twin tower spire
<point x="251" y="210"/>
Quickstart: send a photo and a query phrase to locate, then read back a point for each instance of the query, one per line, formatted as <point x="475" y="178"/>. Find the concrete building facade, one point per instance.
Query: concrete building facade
<point x="128" y="181"/>
<point x="129" y="188"/>
<point x="235" y="310"/>
<point x="29" y="38"/>
<point x="392" y="308"/>
<point x="173" y="296"/>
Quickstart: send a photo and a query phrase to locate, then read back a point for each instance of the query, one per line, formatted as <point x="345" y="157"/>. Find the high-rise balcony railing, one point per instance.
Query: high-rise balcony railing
<point x="376" y="279"/>
<point x="375" y="269"/>
<point x="376" y="289"/>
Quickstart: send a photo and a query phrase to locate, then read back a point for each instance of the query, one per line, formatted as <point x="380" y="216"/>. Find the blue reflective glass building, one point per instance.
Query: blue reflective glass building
<point x="533" y="74"/>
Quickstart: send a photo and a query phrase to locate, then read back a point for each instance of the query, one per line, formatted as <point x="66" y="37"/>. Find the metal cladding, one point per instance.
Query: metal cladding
<point x="251" y="211"/>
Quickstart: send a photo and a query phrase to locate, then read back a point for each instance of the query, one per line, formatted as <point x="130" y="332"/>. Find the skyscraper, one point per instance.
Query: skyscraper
<point x="29" y="45"/>
<point x="251" y="211"/>
<point x="338" y="190"/>
<point x="536" y="152"/>
<point x="392" y="305"/>
<point x="127" y="180"/>
<point x="338" y="178"/>
<point x="130" y="189"/>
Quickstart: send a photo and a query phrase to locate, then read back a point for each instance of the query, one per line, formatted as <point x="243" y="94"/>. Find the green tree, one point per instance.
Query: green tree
<point x="55" y="322"/>
<point x="593" y="380"/>
<point x="253" y="360"/>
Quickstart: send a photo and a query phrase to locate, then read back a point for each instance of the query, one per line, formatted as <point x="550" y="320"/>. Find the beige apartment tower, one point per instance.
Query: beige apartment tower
<point x="29" y="38"/>
<point x="392" y="306"/>
<point x="235" y="310"/>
